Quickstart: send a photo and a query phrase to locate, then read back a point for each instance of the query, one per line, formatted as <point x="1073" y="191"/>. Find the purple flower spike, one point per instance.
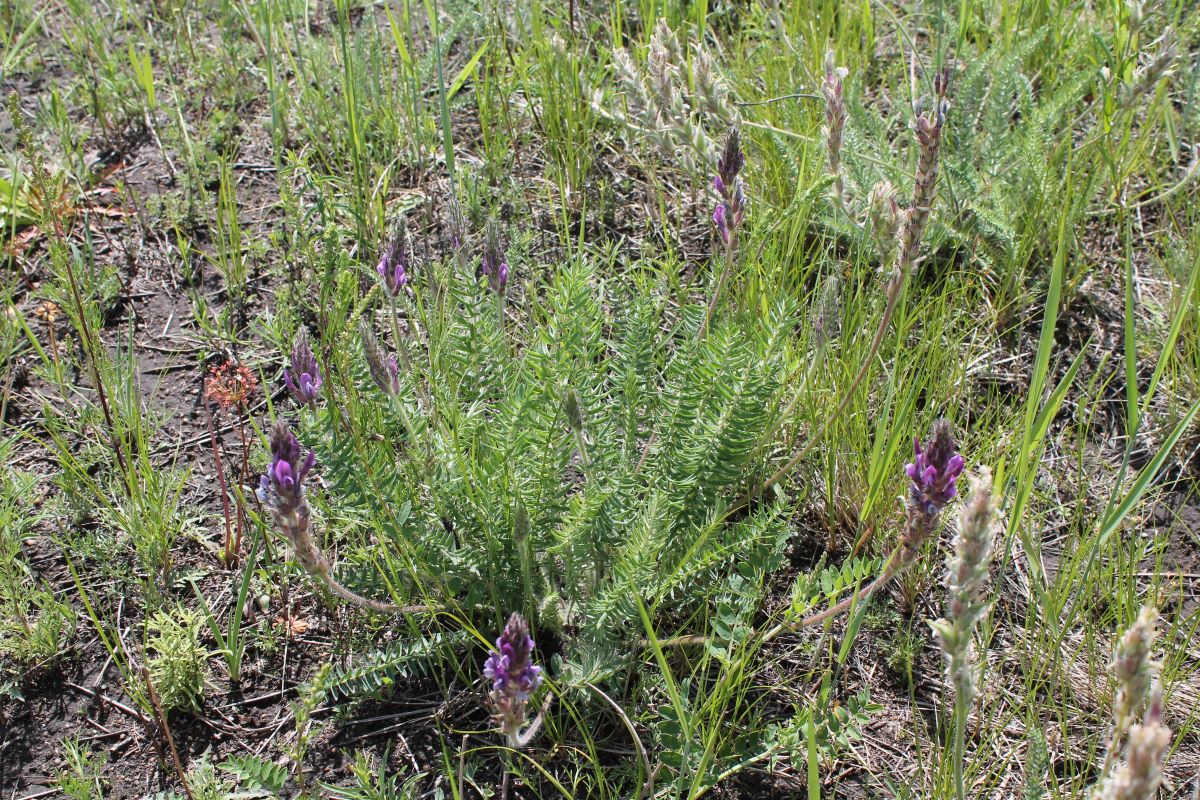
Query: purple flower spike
<point x="514" y="677"/>
<point x="282" y="488"/>
<point x="935" y="469"/>
<point x="493" y="264"/>
<point x="391" y="264"/>
<point x="303" y="379"/>
<point x="934" y="472"/>
<point x="732" y="159"/>
<point x="727" y="183"/>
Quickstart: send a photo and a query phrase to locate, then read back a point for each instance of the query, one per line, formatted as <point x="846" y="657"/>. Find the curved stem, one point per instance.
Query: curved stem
<point x="730" y="250"/>
<point x="894" y="567"/>
<point x="374" y="605"/>
<point x="646" y="788"/>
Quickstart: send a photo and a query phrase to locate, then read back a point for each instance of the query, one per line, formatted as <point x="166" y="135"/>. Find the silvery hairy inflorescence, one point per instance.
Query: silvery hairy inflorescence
<point x="1153" y="70"/>
<point x="827" y="320"/>
<point x="927" y="127"/>
<point x="731" y="209"/>
<point x="1146" y="743"/>
<point x="933" y="474"/>
<point x="1134" y="671"/>
<point x="967" y="572"/>
<point x="514" y="678"/>
<point x="1138" y="778"/>
<point x="833" y="90"/>
<point x="883" y="217"/>
<point x="382" y="366"/>
<point x="661" y="103"/>
<point x="303" y="378"/>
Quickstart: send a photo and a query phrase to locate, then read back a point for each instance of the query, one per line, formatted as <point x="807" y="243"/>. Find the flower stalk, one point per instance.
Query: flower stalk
<point x="1146" y="743"/>
<point x="729" y="213"/>
<point x="514" y="678"/>
<point x="281" y="491"/>
<point x="967" y="572"/>
<point x="930" y="119"/>
<point x="933" y="474"/>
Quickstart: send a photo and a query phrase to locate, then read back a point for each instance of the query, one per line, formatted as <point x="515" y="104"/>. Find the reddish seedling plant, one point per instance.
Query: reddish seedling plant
<point x="230" y="386"/>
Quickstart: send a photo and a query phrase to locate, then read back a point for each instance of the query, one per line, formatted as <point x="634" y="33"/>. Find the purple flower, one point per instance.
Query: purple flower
<point x="732" y="159"/>
<point x="303" y="379"/>
<point x="391" y="263"/>
<point x="492" y="262"/>
<point x="935" y="469"/>
<point x="514" y="676"/>
<point x="933" y="472"/>
<point x="720" y="219"/>
<point x="727" y="183"/>
<point x="282" y="488"/>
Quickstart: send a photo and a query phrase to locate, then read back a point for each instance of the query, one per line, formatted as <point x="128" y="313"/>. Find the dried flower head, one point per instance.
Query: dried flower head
<point x="303" y="379"/>
<point x="382" y="366"/>
<point x="229" y="385"/>
<point x="927" y="127"/>
<point x="835" y="123"/>
<point x="514" y="677"/>
<point x="493" y="263"/>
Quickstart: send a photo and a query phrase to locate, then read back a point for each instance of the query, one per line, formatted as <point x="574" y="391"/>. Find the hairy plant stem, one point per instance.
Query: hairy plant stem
<point x="960" y="725"/>
<point x="375" y="605"/>
<point x="730" y="253"/>
<point x="895" y="565"/>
